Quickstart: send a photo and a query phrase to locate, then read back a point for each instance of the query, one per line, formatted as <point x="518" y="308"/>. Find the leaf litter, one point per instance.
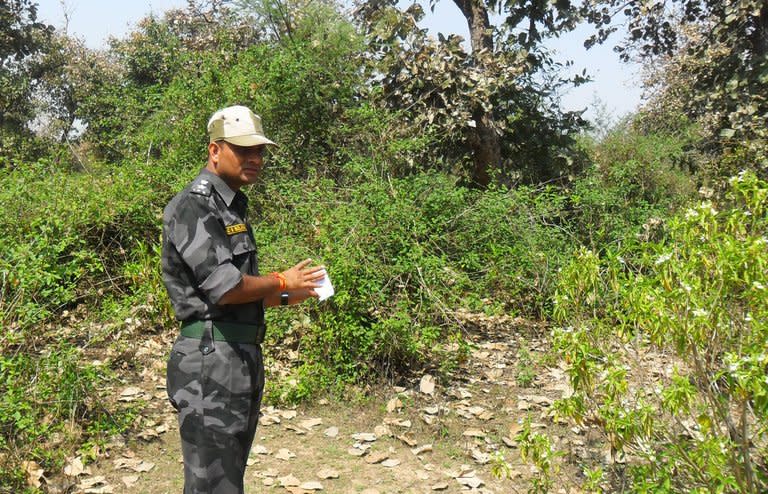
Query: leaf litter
<point x="479" y="426"/>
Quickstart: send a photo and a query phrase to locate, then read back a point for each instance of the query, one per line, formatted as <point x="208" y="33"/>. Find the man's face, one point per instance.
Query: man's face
<point x="236" y="165"/>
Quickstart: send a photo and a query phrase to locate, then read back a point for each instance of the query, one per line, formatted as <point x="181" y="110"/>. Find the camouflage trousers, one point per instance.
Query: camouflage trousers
<point x="216" y="388"/>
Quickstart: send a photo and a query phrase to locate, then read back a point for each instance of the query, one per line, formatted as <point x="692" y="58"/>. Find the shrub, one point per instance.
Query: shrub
<point x="635" y="181"/>
<point x="50" y="404"/>
<point x="67" y="234"/>
<point x="404" y="254"/>
<point x="668" y="356"/>
<point x="69" y="238"/>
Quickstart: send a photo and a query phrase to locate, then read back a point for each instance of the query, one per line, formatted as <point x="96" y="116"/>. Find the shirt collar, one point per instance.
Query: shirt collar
<point x="221" y="186"/>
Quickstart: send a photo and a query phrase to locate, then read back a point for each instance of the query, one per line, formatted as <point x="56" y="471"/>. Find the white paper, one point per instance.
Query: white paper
<point x="325" y="290"/>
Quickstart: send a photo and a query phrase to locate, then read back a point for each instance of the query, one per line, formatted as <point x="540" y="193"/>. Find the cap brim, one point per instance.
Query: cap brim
<point x="249" y="140"/>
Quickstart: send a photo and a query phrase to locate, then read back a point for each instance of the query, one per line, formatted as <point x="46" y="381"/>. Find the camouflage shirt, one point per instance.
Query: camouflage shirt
<point x="208" y="246"/>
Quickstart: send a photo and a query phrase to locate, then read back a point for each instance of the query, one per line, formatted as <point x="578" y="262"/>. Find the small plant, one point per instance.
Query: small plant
<point x="499" y="466"/>
<point x="537" y="449"/>
<point x="73" y="410"/>
<point x="525" y="374"/>
<point x="594" y="480"/>
<point x="148" y="293"/>
<point x="455" y="354"/>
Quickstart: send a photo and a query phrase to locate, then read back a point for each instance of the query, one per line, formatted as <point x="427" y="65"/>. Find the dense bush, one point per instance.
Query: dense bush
<point x="302" y="97"/>
<point x="404" y="255"/>
<point x="634" y="182"/>
<point x="67" y="234"/>
<point x="69" y="239"/>
<point x="50" y="404"/>
<point x="668" y="356"/>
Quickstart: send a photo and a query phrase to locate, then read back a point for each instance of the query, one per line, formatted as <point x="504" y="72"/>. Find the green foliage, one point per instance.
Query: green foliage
<point x="697" y="301"/>
<point x="536" y="448"/>
<point x="23" y="40"/>
<point x="594" y="480"/>
<point x="707" y="62"/>
<point x="69" y="238"/>
<point x="64" y="234"/>
<point x="303" y="89"/>
<point x="499" y="466"/>
<point x="525" y="373"/>
<point x="23" y="36"/>
<point x="129" y="83"/>
<point x="403" y="255"/>
<point x="145" y="289"/>
<point x="517" y="244"/>
<point x="49" y="403"/>
<point x="643" y="176"/>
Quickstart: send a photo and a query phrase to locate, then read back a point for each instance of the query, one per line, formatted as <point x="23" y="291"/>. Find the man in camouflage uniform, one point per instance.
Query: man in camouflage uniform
<point x="215" y="377"/>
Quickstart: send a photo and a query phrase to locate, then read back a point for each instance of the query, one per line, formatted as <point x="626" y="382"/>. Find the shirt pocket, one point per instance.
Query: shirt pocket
<point x="241" y="244"/>
<point x="244" y="253"/>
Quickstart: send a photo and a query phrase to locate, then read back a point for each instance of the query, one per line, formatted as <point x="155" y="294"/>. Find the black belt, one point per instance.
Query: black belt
<point x="226" y="331"/>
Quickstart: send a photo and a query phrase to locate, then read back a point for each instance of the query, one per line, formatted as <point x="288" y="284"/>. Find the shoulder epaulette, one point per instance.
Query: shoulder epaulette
<point x="202" y="187"/>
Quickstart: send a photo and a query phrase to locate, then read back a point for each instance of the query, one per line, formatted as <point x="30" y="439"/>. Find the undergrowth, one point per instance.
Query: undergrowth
<point x="404" y="255"/>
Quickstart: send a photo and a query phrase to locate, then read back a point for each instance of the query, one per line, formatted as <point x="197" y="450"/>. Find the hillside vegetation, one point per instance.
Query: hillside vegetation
<point x="432" y="179"/>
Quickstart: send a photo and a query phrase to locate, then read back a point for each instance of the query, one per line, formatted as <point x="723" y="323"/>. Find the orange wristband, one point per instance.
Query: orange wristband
<point x="281" y="278"/>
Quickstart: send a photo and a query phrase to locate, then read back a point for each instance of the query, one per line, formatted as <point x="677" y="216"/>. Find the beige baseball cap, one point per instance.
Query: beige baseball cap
<point x="237" y="125"/>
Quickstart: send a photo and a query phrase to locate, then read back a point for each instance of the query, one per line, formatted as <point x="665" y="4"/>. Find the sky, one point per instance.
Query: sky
<point x="615" y="88"/>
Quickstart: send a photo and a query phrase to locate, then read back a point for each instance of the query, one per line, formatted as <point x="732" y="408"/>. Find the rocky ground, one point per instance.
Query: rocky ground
<point x="450" y="434"/>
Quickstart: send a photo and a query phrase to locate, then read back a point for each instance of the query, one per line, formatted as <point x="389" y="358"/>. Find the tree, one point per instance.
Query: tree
<point x="495" y="101"/>
<point x="22" y="37"/>
<point x="539" y="19"/>
<point x="714" y="64"/>
<point x="485" y="140"/>
<point x="654" y="27"/>
<point x="64" y="82"/>
<point x="117" y="91"/>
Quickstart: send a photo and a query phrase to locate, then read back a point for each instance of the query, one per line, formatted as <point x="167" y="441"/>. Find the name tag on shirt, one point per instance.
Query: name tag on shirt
<point x="235" y="229"/>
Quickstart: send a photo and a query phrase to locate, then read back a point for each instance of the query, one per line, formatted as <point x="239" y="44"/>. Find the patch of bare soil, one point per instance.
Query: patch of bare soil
<point x="431" y="435"/>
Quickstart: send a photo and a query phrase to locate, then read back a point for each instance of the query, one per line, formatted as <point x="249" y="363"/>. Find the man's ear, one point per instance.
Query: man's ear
<point x="213" y="152"/>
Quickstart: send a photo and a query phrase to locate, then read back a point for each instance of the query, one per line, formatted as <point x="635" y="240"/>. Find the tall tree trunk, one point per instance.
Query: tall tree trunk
<point x="484" y="141"/>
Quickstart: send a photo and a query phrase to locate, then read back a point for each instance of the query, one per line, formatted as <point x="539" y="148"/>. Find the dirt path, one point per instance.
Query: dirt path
<point x="410" y="439"/>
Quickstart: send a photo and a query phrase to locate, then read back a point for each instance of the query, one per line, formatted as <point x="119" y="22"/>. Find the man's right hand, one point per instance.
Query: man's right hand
<point x="302" y="276"/>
